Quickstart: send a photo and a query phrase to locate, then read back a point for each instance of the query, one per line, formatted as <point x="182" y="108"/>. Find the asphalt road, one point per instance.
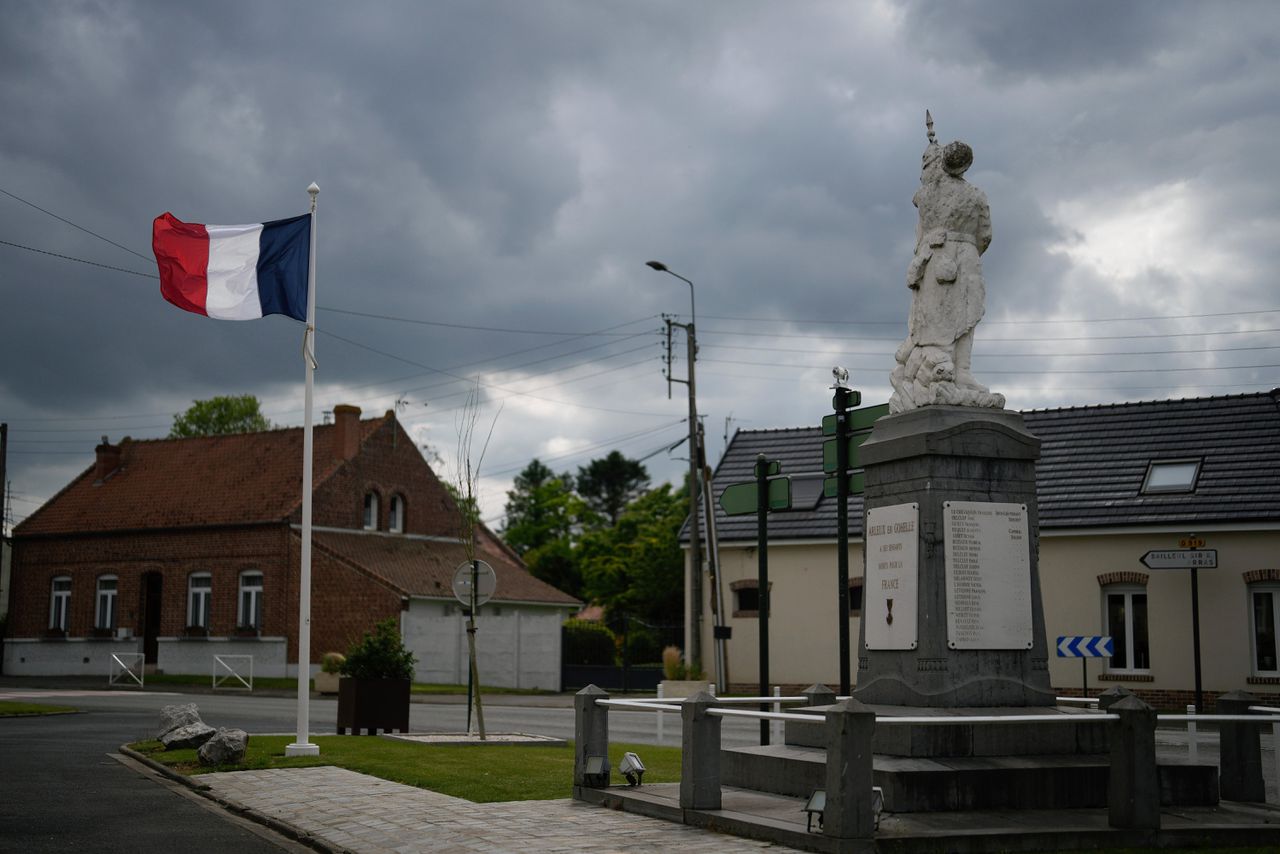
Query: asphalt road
<point x="62" y="788"/>
<point x="256" y="713"/>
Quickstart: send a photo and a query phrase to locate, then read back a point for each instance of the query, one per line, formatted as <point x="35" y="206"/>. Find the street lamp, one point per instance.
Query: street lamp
<point x="693" y="643"/>
<point x="663" y="268"/>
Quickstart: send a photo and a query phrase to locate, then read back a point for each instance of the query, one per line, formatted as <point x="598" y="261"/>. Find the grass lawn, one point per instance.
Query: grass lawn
<point x="13" y="707"/>
<point x="283" y="683"/>
<point x="482" y="774"/>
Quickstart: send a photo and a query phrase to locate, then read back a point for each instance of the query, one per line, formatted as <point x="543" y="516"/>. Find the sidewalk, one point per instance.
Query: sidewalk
<point x="338" y="810"/>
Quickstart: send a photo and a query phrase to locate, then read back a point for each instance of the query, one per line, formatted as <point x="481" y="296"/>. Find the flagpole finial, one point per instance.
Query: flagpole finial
<point x="314" y="188"/>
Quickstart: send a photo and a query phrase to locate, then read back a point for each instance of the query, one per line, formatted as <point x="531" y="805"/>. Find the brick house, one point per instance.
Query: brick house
<point x="181" y="549"/>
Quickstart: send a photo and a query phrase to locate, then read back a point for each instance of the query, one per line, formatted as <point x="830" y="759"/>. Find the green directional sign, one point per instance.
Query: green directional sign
<point x="740" y="498"/>
<point x="857" y="483"/>
<point x="773" y="467"/>
<point x="829" y="450"/>
<point x="861" y="419"/>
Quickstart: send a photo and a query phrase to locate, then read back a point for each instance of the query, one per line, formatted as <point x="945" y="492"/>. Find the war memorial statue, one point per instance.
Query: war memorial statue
<point x="947" y="289"/>
<point x="952" y="615"/>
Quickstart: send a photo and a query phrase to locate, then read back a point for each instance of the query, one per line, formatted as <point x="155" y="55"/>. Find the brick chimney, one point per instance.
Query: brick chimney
<point x="346" y="431"/>
<point x="108" y="461"/>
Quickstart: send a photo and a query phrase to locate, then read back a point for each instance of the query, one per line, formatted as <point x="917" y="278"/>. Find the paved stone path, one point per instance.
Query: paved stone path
<point x="363" y="814"/>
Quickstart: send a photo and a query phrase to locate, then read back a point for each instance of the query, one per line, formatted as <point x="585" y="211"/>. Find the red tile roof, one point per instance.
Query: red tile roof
<point x="214" y="480"/>
<point x="422" y="567"/>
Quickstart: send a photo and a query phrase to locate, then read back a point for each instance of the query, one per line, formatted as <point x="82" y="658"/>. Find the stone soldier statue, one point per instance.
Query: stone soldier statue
<point x="948" y="293"/>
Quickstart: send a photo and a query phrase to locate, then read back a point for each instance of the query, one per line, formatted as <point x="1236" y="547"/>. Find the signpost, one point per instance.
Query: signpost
<point x="1085" y="647"/>
<point x="840" y="459"/>
<point x="1194" y="559"/>
<point x="761" y="495"/>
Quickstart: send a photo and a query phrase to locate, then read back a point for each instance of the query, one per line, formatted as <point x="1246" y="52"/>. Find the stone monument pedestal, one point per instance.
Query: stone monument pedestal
<point x="952" y="614"/>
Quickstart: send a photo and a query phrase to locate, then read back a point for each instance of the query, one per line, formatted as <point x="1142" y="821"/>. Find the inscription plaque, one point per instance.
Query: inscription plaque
<point x="890" y="590"/>
<point x="988" y="575"/>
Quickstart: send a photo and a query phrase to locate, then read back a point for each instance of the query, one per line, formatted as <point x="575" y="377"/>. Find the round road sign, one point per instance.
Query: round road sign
<point x="485" y="581"/>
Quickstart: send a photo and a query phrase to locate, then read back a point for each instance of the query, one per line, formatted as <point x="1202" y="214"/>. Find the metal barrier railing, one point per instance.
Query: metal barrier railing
<point x="134" y="668"/>
<point x="229" y="672"/>
<point x="1132" y="750"/>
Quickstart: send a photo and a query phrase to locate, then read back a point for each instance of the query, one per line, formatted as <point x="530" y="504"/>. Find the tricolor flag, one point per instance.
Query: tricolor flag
<point x="234" y="272"/>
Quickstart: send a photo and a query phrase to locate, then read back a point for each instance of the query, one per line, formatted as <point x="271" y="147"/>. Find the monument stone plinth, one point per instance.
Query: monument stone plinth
<point x="952" y="614"/>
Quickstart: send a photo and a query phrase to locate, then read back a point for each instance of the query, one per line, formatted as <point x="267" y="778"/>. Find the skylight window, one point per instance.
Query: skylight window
<point x="1171" y="476"/>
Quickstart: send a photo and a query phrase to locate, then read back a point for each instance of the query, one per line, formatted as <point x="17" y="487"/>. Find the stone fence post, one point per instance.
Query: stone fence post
<point x="700" y="757"/>
<point x="590" y="738"/>
<point x="1133" y="793"/>
<point x="818" y="694"/>
<point x="849" y="812"/>
<point x="1240" y="762"/>
<point x="1111" y="696"/>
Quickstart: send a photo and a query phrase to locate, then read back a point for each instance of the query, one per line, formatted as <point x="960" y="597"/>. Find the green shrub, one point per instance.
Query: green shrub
<point x="332" y="662"/>
<point x="586" y="642"/>
<point x="643" y="646"/>
<point x="379" y="655"/>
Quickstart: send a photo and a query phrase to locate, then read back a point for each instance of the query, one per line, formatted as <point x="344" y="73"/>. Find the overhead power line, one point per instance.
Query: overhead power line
<point x="80" y="260"/>
<point x="31" y="204"/>
<point x="991" y="322"/>
<point x="809" y="337"/>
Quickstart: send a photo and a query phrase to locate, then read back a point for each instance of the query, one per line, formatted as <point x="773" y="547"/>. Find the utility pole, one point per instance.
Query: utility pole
<point x="4" y="484"/>
<point x="693" y="644"/>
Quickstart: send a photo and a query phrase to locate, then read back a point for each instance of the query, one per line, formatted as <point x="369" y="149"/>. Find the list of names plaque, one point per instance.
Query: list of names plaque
<point x="890" y="588"/>
<point x="988" y="575"/>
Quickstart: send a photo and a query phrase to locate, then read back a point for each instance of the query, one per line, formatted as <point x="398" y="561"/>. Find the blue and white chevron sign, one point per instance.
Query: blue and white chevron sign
<point x="1085" y="646"/>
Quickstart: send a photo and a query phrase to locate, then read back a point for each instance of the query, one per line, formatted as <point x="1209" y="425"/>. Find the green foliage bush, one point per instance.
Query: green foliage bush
<point x="379" y="655"/>
<point x="643" y="644"/>
<point x="586" y="642"/>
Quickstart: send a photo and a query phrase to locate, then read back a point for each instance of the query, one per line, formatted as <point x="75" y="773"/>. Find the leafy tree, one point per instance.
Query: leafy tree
<point x="541" y="507"/>
<point x="543" y="517"/>
<point x="219" y="416"/>
<point x="637" y="567"/>
<point x="611" y="483"/>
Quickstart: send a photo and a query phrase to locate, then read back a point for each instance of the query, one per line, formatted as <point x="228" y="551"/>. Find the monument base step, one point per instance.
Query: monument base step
<point x="913" y="784"/>
<point x="1014" y="739"/>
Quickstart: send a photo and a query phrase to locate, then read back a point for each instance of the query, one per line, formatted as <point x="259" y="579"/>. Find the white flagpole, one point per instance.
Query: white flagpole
<point x="303" y="746"/>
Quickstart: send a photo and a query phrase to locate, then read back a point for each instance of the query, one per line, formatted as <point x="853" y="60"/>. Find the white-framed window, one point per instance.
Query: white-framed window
<point x="1263" y="613"/>
<point x="1124" y="618"/>
<point x="250" y="613"/>
<point x="199" y="599"/>
<point x="60" y="602"/>
<point x="105" y="614"/>
<point x="371" y="511"/>
<point x="1171" y="476"/>
<point x="395" y="520"/>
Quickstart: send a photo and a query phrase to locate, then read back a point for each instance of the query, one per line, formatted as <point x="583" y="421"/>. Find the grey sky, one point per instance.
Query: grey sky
<point x="513" y="164"/>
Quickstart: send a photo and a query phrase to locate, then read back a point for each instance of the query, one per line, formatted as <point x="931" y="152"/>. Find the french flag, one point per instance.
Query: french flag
<point x="234" y="272"/>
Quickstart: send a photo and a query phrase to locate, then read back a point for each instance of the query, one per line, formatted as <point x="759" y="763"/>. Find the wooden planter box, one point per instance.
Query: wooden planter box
<point x="372" y="705"/>
<point x="326" y="683"/>
<point x="680" y="689"/>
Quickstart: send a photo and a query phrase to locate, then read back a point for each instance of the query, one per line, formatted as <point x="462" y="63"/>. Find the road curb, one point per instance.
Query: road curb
<point x="281" y="827"/>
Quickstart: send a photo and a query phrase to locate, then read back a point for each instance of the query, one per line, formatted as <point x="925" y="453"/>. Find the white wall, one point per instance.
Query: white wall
<point x="92" y="657"/>
<point x="177" y="655"/>
<point x="517" y="646"/>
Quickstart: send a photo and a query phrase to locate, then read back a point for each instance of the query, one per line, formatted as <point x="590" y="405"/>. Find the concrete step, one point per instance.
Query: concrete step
<point x="917" y="784"/>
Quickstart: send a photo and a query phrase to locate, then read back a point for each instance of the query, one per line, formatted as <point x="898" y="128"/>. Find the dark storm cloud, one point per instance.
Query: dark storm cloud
<point x="513" y="164"/>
